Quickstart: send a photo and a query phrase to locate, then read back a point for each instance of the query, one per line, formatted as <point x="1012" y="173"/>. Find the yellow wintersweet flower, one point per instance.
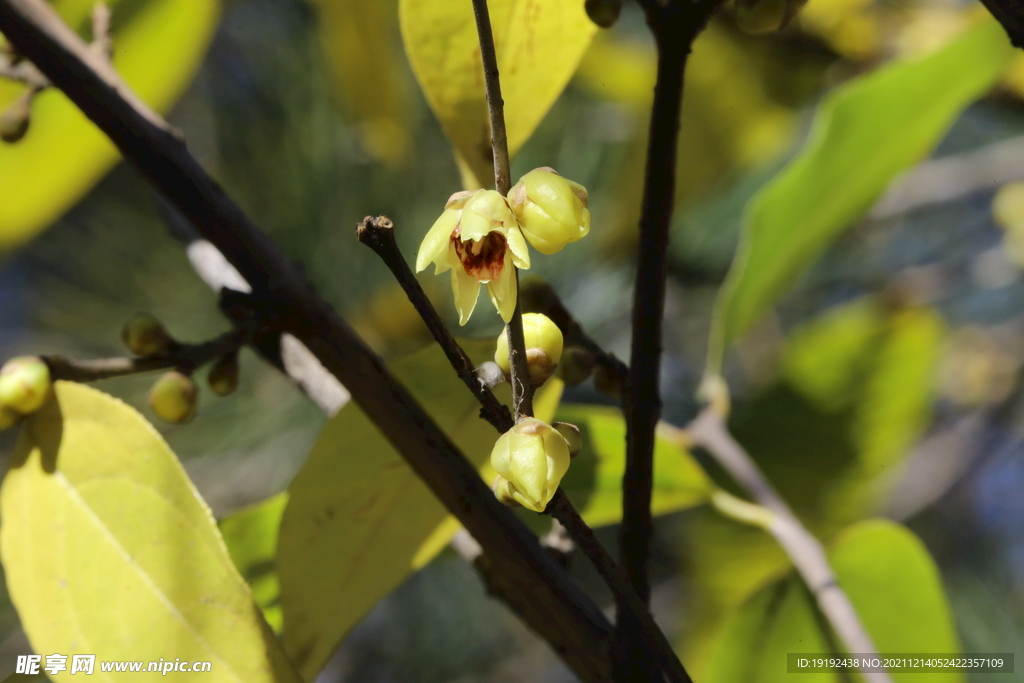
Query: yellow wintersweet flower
<point x="478" y="239"/>
<point x="532" y="458"/>
<point x="552" y="210"/>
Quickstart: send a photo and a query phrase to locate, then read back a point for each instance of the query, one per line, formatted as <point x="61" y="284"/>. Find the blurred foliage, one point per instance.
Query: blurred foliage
<point x="893" y="584"/>
<point x="159" y="46"/>
<point x="311" y="117"/>
<point x="95" y="498"/>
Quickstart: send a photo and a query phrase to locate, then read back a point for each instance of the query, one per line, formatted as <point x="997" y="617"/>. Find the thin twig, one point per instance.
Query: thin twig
<point x="184" y="357"/>
<point x="562" y="510"/>
<point x="379" y="234"/>
<point x="773" y="514"/>
<point x="573" y="622"/>
<point x="495" y="105"/>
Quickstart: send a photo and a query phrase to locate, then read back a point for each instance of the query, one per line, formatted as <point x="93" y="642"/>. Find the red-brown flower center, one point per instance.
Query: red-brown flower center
<point x="482" y="259"/>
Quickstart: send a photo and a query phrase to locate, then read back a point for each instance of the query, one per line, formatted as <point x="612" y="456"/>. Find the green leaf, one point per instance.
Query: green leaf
<point x="894" y="586"/>
<point x="357" y="508"/>
<point x="250" y="535"/>
<point x="109" y="550"/>
<point x="538" y="43"/>
<point x="63" y="154"/>
<point x="865" y="133"/>
<point x="359" y="40"/>
<point x="893" y="411"/>
<point x="594" y="481"/>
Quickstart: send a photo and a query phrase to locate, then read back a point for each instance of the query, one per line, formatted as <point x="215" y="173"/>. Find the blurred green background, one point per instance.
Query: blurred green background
<point x="916" y="312"/>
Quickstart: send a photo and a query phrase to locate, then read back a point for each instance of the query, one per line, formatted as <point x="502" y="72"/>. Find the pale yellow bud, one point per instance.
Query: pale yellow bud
<point x="552" y="211"/>
<point x="543" y="348"/>
<point x="144" y="335"/>
<point x="571" y="434"/>
<point x="24" y="384"/>
<point x="533" y="457"/>
<point x="174" y="397"/>
<point x="503" y="491"/>
<point x="223" y="377"/>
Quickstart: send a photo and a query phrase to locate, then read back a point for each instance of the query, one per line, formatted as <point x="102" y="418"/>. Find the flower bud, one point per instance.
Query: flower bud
<point x="543" y="348"/>
<point x="15" y="120"/>
<point x="174" y="397"/>
<point x="8" y="417"/>
<point x="223" y="375"/>
<point x="606" y="383"/>
<point x="761" y="16"/>
<point x="604" y="13"/>
<point x="503" y="491"/>
<point x="571" y="434"/>
<point x="24" y="384"/>
<point x="552" y="211"/>
<point x="144" y="336"/>
<point x="576" y="365"/>
<point x="533" y="457"/>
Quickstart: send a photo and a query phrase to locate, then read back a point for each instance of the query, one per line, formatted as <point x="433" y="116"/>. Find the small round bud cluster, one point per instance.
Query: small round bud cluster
<point x="223" y="375"/>
<point x="145" y="336"/>
<point x="16" y="118"/>
<point x="531" y="458"/>
<point x="543" y="348"/>
<point x="174" y="398"/>
<point x="604" y="13"/>
<point x="765" y="16"/>
<point x="24" y="386"/>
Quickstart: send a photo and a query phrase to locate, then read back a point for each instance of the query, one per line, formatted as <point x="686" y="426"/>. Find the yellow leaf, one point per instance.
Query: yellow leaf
<point x="538" y="43"/>
<point x="359" y="40"/>
<point x="63" y="154"/>
<point x="357" y="508"/>
<point x="109" y="550"/>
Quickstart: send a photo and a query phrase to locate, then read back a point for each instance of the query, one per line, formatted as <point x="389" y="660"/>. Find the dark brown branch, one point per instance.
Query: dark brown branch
<point x="562" y="510"/>
<point x="184" y="357"/>
<point x="379" y="234"/>
<point x="675" y="25"/>
<point x="522" y="390"/>
<point x="495" y="105"/>
<point x="574" y="622"/>
<point x="1009" y="13"/>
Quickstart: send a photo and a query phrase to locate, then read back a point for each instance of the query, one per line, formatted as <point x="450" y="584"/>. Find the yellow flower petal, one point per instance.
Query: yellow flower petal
<point x="517" y="245"/>
<point x="434" y="247"/>
<point x="466" y="290"/>
<point x="503" y="290"/>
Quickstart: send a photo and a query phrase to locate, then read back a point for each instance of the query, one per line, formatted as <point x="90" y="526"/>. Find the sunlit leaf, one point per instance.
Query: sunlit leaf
<point x="156" y="51"/>
<point x="826" y="358"/>
<point x="357" y="508"/>
<point x="865" y="133"/>
<point x="250" y="535"/>
<point x="594" y="482"/>
<point x="894" y="586"/>
<point x="109" y="550"/>
<point x="360" y="41"/>
<point x="892" y="411"/>
<point x="538" y="43"/>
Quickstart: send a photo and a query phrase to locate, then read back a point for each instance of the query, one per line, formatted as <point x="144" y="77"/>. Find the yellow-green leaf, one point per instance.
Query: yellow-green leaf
<point x="360" y="38"/>
<point x="893" y="584"/>
<point x="539" y="43"/>
<point x="250" y="535"/>
<point x="63" y="154"/>
<point x="864" y="133"/>
<point x="109" y="550"/>
<point x="594" y="481"/>
<point x="358" y="508"/>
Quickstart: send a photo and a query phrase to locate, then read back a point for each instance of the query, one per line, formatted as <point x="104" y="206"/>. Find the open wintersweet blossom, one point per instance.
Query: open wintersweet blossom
<point x="533" y="457"/>
<point x="552" y="210"/>
<point x="478" y="239"/>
